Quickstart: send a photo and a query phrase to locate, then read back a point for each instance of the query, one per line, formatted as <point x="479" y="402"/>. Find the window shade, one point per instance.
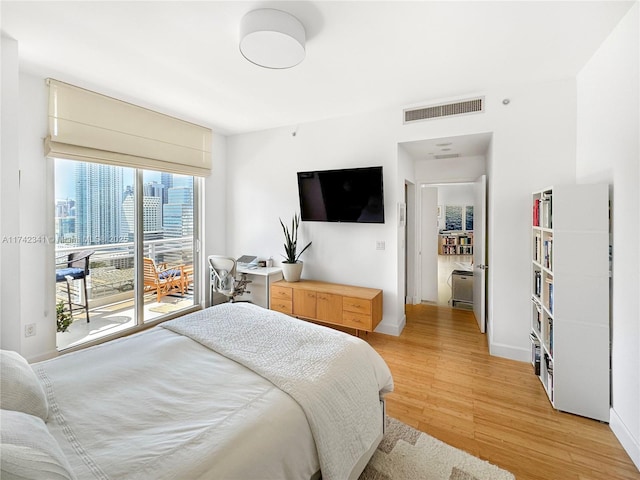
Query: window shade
<point x="88" y="126"/>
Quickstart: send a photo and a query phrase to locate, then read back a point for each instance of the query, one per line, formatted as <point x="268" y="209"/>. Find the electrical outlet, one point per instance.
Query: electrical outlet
<point x="379" y="244"/>
<point x="30" y="330"/>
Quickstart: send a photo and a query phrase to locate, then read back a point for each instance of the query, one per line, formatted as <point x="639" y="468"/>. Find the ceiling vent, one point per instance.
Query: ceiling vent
<point x="464" y="107"/>
<point x="446" y="155"/>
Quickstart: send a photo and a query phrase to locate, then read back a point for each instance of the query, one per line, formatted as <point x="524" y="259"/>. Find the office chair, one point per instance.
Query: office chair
<point x="75" y="266"/>
<point x="223" y="277"/>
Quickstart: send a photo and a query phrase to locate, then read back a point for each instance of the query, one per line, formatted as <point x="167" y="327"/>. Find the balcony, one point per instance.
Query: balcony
<point x="110" y="288"/>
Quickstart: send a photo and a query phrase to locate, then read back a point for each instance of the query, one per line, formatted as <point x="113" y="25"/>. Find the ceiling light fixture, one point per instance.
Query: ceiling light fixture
<point x="272" y="38"/>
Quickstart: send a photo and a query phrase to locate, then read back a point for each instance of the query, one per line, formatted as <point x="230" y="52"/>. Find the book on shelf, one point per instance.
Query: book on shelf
<point x="548" y="298"/>
<point x="536" y="212"/>
<point x="535" y="354"/>
<point x="548" y="253"/>
<point x="549" y="367"/>
<point x="537" y="284"/>
<point x="537" y="248"/>
<point x="547" y="211"/>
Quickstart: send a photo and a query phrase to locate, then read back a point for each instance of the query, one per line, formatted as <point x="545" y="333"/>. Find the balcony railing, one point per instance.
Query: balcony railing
<point x="112" y="266"/>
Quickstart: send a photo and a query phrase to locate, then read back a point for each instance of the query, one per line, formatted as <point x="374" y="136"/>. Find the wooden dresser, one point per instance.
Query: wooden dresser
<point x="331" y="303"/>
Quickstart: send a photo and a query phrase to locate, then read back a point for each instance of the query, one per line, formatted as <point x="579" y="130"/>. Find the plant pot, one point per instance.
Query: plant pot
<point x="292" y="271"/>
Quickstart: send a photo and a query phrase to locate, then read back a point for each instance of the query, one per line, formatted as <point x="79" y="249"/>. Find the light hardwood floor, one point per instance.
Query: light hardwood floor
<point x="447" y="384"/>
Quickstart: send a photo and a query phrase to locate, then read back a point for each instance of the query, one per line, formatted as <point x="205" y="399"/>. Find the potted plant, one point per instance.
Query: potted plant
<point x="63" y="318"/>
<point x="292" y="266"/>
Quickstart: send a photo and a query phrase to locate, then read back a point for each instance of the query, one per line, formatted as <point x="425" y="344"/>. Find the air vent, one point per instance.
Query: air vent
<point x="446" y="155"/>
<point x="475" y="105"/>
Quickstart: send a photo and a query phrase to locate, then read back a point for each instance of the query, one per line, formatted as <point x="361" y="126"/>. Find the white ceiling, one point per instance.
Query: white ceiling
<point x="182" y="58"/>
<point x="462" y="146"/>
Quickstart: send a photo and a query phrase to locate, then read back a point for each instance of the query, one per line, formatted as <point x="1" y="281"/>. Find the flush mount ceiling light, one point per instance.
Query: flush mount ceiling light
<point x="272" y="38"/>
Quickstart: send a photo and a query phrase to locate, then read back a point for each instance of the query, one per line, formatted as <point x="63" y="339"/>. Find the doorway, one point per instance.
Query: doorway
<point x="458" y="161"/>
<point x="455" y="203"/>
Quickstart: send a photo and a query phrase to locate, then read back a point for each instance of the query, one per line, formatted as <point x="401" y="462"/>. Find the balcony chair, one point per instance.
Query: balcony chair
<point x="75" y="266"/>
<point x="223" y="277"/>
<point x="162" y="280"/>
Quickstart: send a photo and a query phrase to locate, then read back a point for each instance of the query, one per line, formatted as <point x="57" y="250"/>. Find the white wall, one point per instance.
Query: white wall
<point x="28" y="289"/>
<point x="608" y="152"/>
<point x="262" y="187"/>
<point x="428" y="244"/>
<point x="10" y="327"/>
<point x="456" y="194"/>
<point x="215" y="209"/>
<point x="452" y="170"/>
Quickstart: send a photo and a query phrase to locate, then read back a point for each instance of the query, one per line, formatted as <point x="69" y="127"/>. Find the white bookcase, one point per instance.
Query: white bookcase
<point x="570" y="297"/>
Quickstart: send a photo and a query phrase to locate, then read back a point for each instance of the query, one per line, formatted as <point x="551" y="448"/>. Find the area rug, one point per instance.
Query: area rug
<point x="407" y="454"/>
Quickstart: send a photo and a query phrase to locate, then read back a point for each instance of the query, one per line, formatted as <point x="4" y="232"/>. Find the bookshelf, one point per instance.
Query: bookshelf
<point x="456" y="243"/>
<point x="570" y="297"/>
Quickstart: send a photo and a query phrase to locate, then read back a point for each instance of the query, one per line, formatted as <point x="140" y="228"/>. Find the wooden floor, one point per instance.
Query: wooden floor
<point x="447" y="384"/>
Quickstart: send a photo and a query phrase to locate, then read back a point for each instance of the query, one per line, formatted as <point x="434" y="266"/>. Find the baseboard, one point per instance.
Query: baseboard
<point x="44" y="356"/>
<point x="512" y="353"/>
<point x="389" y="329"/>
<point x="622" y="433"/>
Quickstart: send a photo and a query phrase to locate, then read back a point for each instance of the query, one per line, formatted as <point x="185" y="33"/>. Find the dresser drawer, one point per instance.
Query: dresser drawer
<point x="281" y="293"/>
<point x="357" y="305"/>
<point x="280" y="305"/>
<point x="359" y="321"/>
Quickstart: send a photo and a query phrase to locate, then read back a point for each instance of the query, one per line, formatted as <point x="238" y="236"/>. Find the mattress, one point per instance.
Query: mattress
<point x="160" y="405"/>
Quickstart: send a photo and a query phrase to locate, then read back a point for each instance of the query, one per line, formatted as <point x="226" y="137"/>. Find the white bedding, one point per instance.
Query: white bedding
<point x="158" y="405"/>
<point x="336" y="378"/>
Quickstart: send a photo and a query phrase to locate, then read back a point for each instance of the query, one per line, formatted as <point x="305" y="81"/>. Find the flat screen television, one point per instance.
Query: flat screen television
<point x="346" y="195"/>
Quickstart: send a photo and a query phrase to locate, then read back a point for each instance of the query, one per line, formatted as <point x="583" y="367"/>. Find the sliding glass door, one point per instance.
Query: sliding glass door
<point x="136" y="233"/>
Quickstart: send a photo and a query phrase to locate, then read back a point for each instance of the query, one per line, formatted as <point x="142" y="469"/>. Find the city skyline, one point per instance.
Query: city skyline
<point x="99" y="200"/>
<point x="65" y="181"/>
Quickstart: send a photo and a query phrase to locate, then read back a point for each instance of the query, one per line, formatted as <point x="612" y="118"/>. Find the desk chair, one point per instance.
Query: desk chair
<point x="75" y="266"/>
<point x="223" y="277"/>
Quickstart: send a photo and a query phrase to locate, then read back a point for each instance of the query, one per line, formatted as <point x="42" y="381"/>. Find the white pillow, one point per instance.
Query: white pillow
<point x="20" y="389"/>
<point x="29" y="451"/>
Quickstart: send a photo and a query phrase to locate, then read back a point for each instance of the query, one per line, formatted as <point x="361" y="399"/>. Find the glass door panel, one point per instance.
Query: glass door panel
<point x="99" y="214"/>
<point x="94" y="251"/>
<point x="168" y="237"/>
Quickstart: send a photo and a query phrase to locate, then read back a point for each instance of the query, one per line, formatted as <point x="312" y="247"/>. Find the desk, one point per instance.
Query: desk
<point x="260" y="286"/>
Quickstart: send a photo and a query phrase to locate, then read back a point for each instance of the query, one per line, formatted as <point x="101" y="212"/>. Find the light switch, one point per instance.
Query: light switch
<point x="379" y="244"/>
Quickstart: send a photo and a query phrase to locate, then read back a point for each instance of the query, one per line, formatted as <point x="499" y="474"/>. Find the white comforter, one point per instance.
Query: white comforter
<point x="336" y="378"/>
<point x="158" y="405"/>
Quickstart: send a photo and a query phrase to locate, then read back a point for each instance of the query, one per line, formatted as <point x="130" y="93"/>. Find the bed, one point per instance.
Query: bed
<point x="230" y="392"/>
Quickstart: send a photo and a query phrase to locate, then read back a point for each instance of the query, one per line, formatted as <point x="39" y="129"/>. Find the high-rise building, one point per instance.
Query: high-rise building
<point x="154" y="189"/>
<point x="167" y="180"/>
<point x="66" y="230"/>
<point x="99" y="190"/>
<point x="177" y="214"/>
<point x="151" y="217"/>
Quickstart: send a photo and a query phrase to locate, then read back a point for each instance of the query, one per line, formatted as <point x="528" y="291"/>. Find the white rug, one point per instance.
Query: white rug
<point x="407" y="454"/>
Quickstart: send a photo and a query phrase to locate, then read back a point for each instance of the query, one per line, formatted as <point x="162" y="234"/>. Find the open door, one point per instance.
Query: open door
<point x="480" y="251"/>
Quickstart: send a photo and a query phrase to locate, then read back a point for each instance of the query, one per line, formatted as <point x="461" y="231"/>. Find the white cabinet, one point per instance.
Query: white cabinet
<point x="570" y="297"/>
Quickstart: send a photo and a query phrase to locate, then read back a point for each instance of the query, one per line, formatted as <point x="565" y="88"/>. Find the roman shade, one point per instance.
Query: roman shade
<point x="90" y="127"/>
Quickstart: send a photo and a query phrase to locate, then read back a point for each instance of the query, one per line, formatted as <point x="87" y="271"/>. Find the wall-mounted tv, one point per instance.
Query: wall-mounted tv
<point x="347" y="195"/>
